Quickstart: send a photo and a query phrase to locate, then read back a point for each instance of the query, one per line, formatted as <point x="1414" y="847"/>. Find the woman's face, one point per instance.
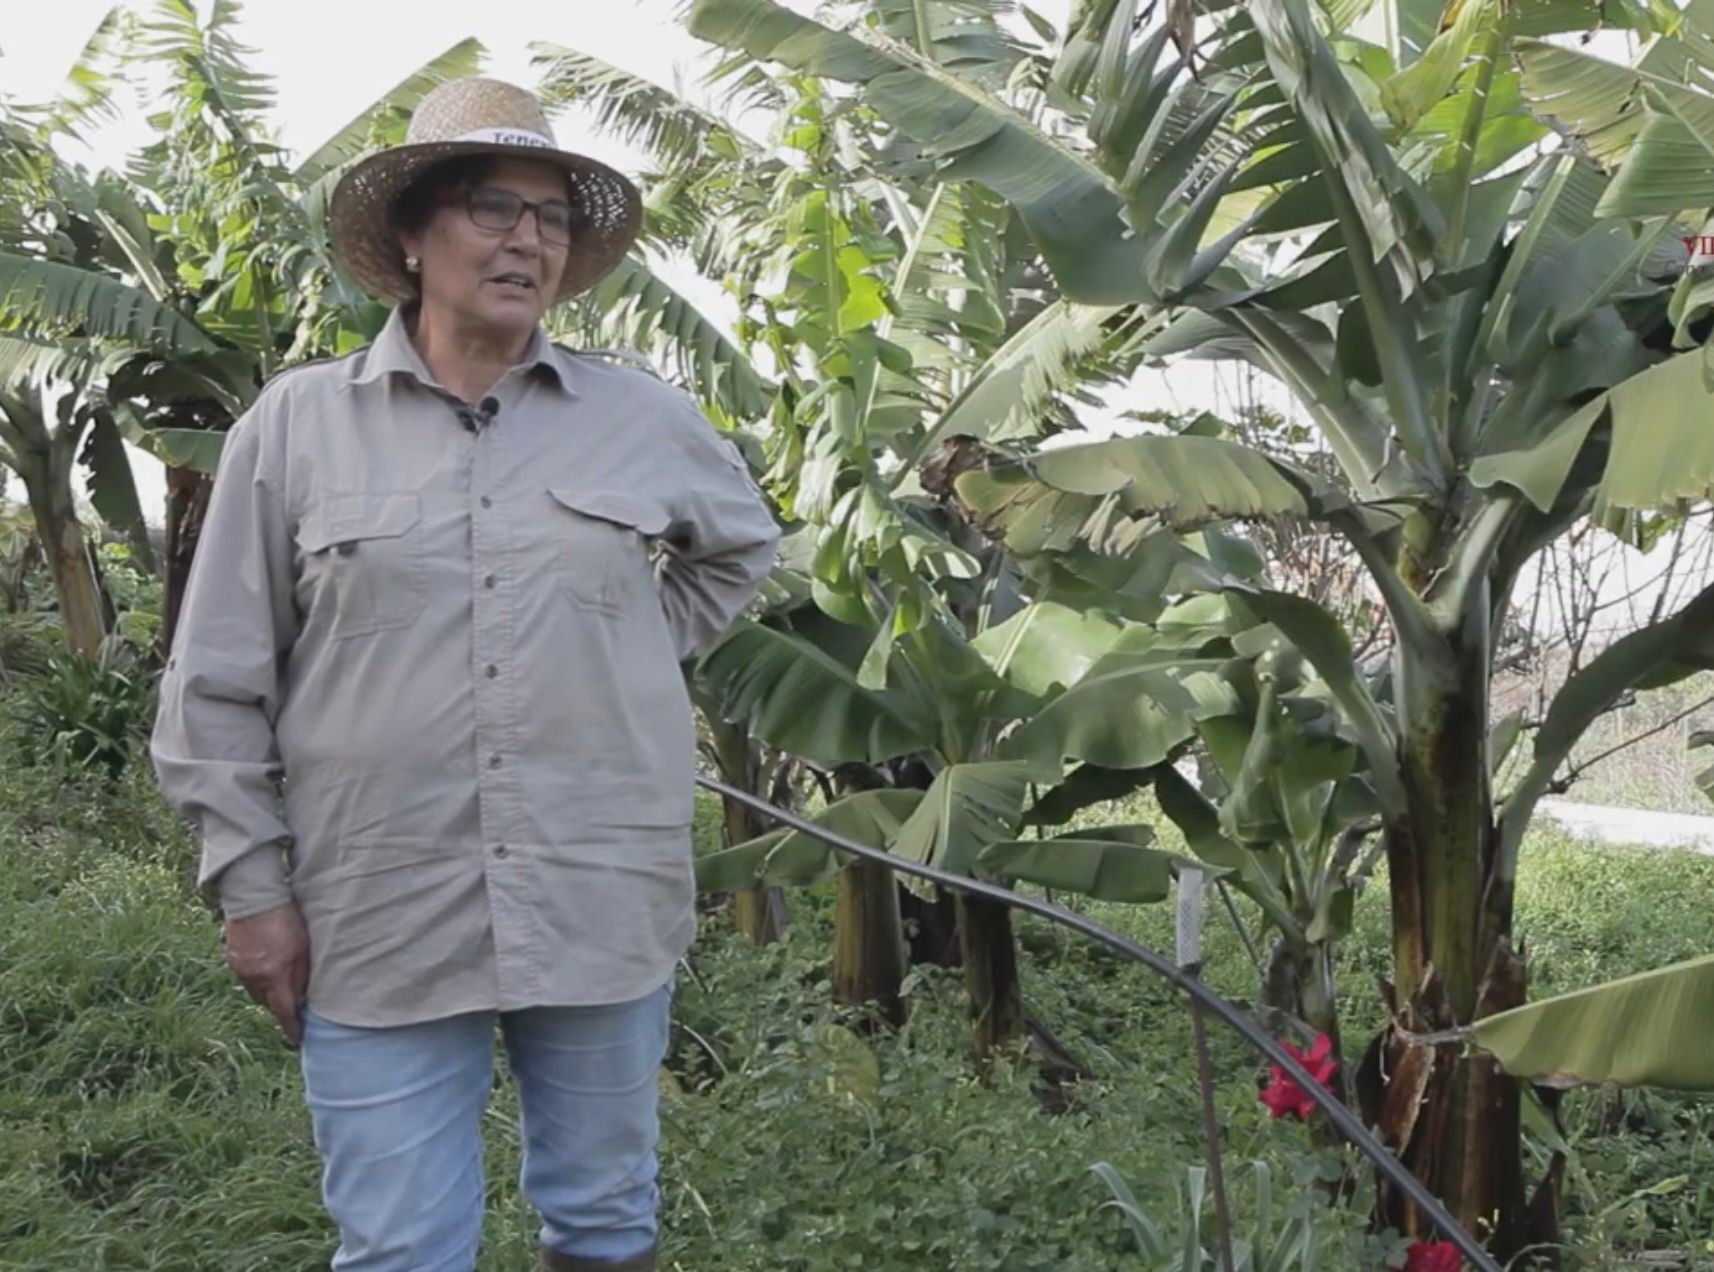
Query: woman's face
<point x="493" y="280"/>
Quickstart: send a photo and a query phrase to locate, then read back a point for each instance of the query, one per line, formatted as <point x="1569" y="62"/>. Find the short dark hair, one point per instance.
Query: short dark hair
<point x="417" y="202"/>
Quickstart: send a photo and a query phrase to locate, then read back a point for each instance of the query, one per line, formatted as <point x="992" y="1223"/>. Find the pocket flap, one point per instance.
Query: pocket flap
<point x="641" y="515"/>
<point x="346" y="518"/>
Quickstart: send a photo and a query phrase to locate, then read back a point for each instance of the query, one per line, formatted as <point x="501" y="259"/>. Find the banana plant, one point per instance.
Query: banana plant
<point x="944" y="705"/>
<point x="887" y="311"/>
<point x="48" y="426"/>
<point x="161" y="299"/>
<point x="1250" y="758"/>
<point x="875" y="569"/>
<point x="1294" y="808"/>
<point x="1488" y="355"/>
<point x="42" y="429"/>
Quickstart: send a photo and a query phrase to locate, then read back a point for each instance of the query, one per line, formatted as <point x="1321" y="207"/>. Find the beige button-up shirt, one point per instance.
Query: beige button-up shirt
<point x="431" y="663"/>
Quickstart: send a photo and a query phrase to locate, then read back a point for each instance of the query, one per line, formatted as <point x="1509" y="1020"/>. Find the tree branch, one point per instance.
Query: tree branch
<point x="1589" y="694"/>
<point x="1562" y="784"/>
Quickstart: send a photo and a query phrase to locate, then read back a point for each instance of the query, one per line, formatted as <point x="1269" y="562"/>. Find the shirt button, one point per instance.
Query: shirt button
<point x="487" y="502"/>
<point x="491" y="671"/>
<point x="493" y="761"/>
<point x="490" y="581"/>
<point x="500" y="851"/>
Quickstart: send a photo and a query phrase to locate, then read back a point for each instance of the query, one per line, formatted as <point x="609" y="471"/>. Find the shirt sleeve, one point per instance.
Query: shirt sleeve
<point x="213" y="746"/>
<point x="720" y="545"/>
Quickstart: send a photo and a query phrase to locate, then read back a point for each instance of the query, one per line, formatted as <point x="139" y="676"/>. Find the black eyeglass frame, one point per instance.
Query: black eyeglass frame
<point x="522" y="205"/>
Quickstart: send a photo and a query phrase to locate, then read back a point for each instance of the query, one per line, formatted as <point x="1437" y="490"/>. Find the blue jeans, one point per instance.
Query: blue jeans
<point x="398" y="1120"/>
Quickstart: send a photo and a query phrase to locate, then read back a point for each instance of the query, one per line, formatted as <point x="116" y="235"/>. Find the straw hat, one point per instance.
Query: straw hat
<point x="476" y="117"/>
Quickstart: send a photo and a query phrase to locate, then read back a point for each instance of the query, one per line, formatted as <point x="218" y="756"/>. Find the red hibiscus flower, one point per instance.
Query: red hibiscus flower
<point x="1285" y="1098"/>
<point x="1433" y="1256"/>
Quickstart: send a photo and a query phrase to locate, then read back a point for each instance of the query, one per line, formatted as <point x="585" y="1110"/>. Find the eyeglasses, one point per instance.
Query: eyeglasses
<point x="495" y="209"/>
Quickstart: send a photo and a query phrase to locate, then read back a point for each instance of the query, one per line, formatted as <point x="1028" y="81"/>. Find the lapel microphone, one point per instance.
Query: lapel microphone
<point x="479" y="417"/>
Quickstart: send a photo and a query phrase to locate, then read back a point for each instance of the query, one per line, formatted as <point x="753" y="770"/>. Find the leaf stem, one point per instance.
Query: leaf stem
<point x="1392" y="328"/>
<point x="924" y="43"/>
<point x="1492" y="47"/>
<point x="1352" y="437"/>
<point x="1411" y="618"/>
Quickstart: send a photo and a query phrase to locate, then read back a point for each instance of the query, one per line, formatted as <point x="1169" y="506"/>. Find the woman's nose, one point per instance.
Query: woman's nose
<point x="527" y="233"/>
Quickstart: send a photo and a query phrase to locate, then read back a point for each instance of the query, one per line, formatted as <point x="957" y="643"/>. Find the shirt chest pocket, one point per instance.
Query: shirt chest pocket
<point x="363" y="561"/>
<point x="600" y="545"/>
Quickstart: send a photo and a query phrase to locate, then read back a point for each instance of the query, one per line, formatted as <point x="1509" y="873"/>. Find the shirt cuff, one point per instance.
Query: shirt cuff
<point x="254" y="883"/>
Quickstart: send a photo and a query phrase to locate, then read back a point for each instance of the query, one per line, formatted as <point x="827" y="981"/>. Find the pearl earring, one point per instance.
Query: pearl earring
<point x="413" y="265"/>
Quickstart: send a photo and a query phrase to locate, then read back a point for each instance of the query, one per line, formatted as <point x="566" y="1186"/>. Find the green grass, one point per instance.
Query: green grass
<point x="151" y="1119"/>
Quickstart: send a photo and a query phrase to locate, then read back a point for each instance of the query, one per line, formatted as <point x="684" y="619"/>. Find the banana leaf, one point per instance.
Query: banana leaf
<point x="47" y="298"/>
<point x="185" y="447"/>
<point x="1073" y="212"/>
<point x="1130" y="710"/>
<point x="1092" y="491"/>
<point x="792" y="858"/>
<point x="1652" y="1029"/>
<point x="1108" y="864"/>
<point x="794" y="695"/>
<point x="1047" y="646"/>
<point x="969" y="807"/>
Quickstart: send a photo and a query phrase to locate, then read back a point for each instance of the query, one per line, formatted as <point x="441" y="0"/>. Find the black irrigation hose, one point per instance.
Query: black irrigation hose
<point x="1347" y="1123"/>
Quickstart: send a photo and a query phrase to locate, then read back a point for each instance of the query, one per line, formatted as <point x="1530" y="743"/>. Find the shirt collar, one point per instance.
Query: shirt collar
<point x="392" y="352"/>
<point x="547" y="360"/>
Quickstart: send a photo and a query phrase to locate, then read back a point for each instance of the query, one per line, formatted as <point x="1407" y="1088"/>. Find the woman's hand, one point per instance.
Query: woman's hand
<point x="269" y="953"/>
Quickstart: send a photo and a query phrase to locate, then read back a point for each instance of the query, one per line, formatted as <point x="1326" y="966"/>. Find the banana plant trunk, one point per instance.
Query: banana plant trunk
<point x="187" y="504"/>
<point x="868" y="942"/>
<point x="759" y="913"/>
<point x="66" y="548"/>
<point x="990" y="955"/>
<point x="1455" y="1120"/>
<point x="1299" y="983"/>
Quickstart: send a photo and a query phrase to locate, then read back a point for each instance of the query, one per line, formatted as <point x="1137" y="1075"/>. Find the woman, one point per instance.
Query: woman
<point x="442" y="595"/>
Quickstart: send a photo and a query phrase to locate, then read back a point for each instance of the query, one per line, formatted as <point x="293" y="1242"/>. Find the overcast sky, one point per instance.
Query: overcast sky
<point x="330" y="57"/>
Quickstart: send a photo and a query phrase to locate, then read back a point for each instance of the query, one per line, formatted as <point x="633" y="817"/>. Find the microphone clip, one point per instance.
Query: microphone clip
<point x="478" y="417"/>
